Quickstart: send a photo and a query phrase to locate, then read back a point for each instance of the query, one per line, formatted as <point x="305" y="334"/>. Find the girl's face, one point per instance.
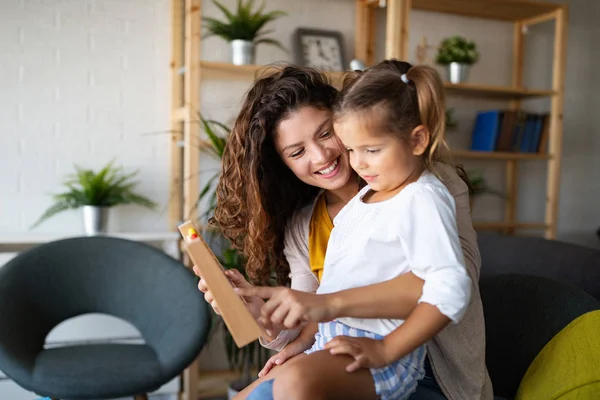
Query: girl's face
<point x="306" y="143"/>
<point x="384" y="161"/>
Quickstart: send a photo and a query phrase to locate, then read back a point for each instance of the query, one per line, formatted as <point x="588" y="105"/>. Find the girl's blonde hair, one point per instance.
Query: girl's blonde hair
<point x="404" y="97"/>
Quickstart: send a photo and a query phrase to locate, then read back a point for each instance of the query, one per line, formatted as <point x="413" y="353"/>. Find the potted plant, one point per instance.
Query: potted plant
<point x="478" y="186"/>
<point x="250" y="358"/>
<point x="457" y="54"/>
<point x="96" y="193"/>
<point x="242" y="29"/>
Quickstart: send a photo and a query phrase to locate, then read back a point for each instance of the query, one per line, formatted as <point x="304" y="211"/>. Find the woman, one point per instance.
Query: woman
<point x="283" y="167"/>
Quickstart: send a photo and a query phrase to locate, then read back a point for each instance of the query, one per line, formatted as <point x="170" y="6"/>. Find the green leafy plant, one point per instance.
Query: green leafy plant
<point x="457" y="49"/>
<point x="108" y="187"/>
<point x="478" y="185"/>
<point x="252" y="356"/>
<point x="244" y="24"/>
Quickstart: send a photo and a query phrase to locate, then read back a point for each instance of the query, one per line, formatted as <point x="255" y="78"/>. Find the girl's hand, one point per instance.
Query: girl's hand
<point x="292" y="349"/>
<point x="367" y="353"/>
<point x="290" y="308"/>
<point x="238" y="281"/>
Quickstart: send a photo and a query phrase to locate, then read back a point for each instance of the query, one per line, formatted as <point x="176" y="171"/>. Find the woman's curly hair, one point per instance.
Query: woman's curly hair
<point x="257" y="193"/>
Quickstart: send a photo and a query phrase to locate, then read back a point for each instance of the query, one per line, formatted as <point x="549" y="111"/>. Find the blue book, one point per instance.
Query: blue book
<point x="485" y="131"/>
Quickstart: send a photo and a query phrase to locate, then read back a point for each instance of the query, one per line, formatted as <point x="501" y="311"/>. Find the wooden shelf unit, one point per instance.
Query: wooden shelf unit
<point x="188" y="71"/>
<point x="522" y="13"/>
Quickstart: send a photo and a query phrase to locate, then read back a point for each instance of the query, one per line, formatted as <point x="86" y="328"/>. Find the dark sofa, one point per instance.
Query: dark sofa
<point x="531" y="288"/>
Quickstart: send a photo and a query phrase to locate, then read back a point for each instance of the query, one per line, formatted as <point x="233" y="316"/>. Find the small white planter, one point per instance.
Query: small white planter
<point x="95" y="220"/>
<point x="242" y="52"/>
<point x="457" y="72"/>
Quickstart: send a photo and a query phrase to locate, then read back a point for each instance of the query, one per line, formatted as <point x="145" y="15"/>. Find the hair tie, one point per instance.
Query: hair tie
<point x="404" y="78"/>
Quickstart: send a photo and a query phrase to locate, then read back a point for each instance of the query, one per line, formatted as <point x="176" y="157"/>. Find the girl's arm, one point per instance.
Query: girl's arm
<point x="396" y="298"/>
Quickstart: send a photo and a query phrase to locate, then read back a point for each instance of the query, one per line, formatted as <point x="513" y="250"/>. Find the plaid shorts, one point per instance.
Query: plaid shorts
<point x="396" y="381"/>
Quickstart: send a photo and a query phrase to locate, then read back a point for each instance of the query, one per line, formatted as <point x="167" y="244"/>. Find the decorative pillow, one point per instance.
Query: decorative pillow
<point x="568" y="367"/>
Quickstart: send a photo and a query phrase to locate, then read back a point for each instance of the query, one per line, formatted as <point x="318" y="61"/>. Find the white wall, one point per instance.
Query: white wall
<point x="82" y="81"/>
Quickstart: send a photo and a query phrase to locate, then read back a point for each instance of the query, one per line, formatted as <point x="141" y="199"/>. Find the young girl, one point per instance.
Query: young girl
<point x="403" y="220"/>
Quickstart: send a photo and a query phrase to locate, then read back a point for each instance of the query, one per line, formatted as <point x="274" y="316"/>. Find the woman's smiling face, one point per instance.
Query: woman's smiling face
<point x="307" y="145"/>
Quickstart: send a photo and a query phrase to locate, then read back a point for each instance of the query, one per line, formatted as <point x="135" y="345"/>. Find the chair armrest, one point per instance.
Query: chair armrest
<point x="179" y="324"/>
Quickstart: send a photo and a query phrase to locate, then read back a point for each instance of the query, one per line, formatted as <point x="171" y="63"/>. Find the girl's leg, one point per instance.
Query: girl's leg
<point x="322" y="376"/>
<point x="270" y="376"/>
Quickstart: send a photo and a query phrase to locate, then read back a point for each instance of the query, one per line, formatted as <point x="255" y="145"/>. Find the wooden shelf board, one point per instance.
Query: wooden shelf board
<point x="498" y="155"/>
<point x="507" y="225"/>
<point x="504" y="10"/>
<point x="226" y="71"/>
<point x="503" y="92"/>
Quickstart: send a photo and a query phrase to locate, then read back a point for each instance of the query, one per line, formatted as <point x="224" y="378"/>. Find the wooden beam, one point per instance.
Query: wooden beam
<point x="192" y="99"/>
<point x="175" y="205"/>
<point x="371" y="42"/>
<point x="362" y="31"/>
<point x="501" y="226"/>
<point x="511" y="169"/>
<point x="191" y="153"/>
<point x="510" y="205"/>
<point x="397" y="26"/>
<point x="556" y="122"/>
<point x="539" y="19"/>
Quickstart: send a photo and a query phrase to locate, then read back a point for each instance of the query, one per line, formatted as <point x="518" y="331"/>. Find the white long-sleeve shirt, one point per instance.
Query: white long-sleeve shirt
<point x="414" y="231"/>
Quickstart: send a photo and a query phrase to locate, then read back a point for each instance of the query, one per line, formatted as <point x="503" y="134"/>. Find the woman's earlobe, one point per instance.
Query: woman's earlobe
<point x="420" y="138"/>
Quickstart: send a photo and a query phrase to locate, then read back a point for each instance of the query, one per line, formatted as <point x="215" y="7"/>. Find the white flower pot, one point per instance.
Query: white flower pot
<point x="457" y="72"/>
<point x="95" y="220"/>
<point x="242" y="52"/>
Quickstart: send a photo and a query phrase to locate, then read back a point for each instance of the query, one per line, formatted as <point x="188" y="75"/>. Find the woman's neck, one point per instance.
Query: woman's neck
<point x="342" y="195"/>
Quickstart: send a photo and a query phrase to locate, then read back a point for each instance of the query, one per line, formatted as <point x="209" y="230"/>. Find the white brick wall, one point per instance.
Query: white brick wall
<point x="82" y="81"/>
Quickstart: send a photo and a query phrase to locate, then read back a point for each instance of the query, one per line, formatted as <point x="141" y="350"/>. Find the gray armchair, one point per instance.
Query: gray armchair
<point x="51" y="283"/>
<point x="531" y="288"/>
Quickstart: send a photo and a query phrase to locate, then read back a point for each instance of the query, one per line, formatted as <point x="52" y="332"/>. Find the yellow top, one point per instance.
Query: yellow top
<point x="318" y="236"/>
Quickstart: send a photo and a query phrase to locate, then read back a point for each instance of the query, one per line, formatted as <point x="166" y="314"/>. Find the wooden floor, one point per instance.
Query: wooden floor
<point x="212" y="385"/>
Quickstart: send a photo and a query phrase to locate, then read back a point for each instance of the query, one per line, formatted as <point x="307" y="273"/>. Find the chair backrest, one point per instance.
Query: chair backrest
<point x="126" y="279"/>
<point x="565" y="262"/>
<point x="522" y="313"/>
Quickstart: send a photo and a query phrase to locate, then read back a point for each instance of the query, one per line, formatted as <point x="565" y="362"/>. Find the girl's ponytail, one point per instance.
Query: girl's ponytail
<point x="432" y="109"/>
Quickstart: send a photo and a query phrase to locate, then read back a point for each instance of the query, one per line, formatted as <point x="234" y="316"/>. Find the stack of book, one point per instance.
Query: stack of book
<point x="511" y="131"/>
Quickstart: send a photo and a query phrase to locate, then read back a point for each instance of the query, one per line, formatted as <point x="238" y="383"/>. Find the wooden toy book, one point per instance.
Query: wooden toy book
<point x="241" y="324"/>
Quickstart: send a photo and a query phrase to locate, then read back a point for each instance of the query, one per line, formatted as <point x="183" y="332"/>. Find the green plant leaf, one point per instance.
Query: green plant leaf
<point x="224" y="10"/>
<point x="108" y="187"/>
<point x="54" y="209"/>
<point x="273" y="42"/>
<point x="244" y="24"/>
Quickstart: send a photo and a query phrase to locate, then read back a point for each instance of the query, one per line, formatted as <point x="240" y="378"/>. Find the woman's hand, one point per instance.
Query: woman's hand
<point x="237" y="279"/>
<point x="292" y="349"/>
<point x="367" y="353"/>
<point x="290" y="308"/>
